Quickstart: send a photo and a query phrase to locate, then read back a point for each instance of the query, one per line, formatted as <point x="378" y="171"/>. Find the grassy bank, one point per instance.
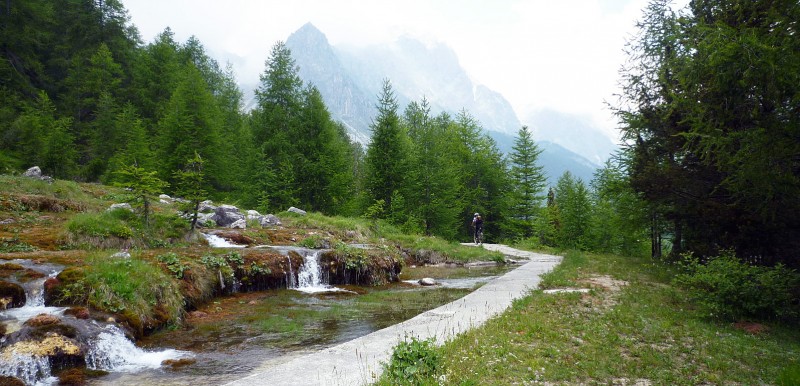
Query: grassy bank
<point x="633" y="326"/>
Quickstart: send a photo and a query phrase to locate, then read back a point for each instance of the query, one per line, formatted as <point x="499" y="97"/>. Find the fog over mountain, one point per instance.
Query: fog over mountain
<point x="350" y="79"/>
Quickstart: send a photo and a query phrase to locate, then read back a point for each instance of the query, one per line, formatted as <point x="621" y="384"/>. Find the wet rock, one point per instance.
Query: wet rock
<point x="3" y="330"/>
<point x="13" y="295"/>
<point x="296" y="210"/>
<point x="427" y="281"/>
<point x="78" y="312"/>
<point x="178" y="363"/>
<point x="72" y="377"/>
<point x="42" y="320"/>
<point x="51" y="286"/>
<point x="10" y="381"/>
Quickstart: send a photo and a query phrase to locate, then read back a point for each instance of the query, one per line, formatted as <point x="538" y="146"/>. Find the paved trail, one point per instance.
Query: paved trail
<point x="359" y="361"/>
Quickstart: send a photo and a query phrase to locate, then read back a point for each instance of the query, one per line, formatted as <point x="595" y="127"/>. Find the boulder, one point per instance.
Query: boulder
<point x="207" y="207"/>
<point x="226" y="215"/>
<point x="238" y="224"/>
<point x="269" y="220"/>
<point x="253" y="215"/>
<point x="165" y="199"/>
<point x="296" y="210"/>
<point x="42" y="320"/>
<point x="427" y="281"/>
<point x="33" y="172"/>
<point x="123" y="205"/>
<point x="36" y="172"/>
<point x="121" y="255"/>
<point x="11" y="295"/>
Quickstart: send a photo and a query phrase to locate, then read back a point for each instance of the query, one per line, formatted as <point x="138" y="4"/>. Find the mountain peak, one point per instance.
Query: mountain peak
<point x="308" y="34"/>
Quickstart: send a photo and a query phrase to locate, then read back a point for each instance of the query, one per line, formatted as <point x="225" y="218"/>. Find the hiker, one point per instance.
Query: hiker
<point x="477" y="223"/>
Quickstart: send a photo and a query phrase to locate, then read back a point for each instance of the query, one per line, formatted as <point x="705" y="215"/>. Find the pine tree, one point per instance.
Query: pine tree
<point x="191" y="186"/>
<point x="387" y="158"/>
<point x="528" y="182"/>
<point x="574" y="212"/>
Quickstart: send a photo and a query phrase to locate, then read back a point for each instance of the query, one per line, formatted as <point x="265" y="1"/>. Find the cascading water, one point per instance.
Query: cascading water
<point x="106" y="347"/>
<point x="219" y="242"/>
<point x="310" y="278"/>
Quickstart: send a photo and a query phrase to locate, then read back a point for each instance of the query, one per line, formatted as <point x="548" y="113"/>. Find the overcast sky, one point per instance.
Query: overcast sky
<point x="557" y="54"/>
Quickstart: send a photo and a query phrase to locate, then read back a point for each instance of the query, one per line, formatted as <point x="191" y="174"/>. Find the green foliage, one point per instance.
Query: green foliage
<point x="312" y="242"/>
<point x="574" y="212"/>
<point x="14" y="244"/>
<point x="708" y="111"/>
<point x="414" y="362"/>
<point x="173" y="263"/>
<point x="104" y="224"/>
<point x="528" y="183"/>
<point x="144" y="186"/>
<point x="728" y="288"/>
<point x="120" y="285"/>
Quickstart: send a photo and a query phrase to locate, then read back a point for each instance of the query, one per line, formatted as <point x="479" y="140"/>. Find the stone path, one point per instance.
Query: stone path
<point x="359" y="361"/>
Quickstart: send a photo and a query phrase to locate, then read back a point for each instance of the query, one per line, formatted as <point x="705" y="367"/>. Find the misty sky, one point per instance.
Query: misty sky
<point x="557" y="54"/>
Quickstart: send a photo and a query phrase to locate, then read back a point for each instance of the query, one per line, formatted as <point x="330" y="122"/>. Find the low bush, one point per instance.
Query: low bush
<point x="731" y="289"/>
<point x="414" y="362"/>
<point x="103" y="224"/>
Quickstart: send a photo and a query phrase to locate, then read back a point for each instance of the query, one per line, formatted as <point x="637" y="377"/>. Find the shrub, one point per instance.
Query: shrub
<point x="414" y="362"/>
<point x="729" y="288"/>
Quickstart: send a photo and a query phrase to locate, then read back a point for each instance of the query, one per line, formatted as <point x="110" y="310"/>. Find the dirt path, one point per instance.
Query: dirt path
<point x="359" y="361"/>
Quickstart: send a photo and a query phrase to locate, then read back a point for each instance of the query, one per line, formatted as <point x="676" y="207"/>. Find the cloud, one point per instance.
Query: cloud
<point x="562" y="55"/>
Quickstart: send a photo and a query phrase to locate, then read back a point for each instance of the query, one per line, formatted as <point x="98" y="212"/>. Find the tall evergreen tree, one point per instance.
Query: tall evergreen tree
<point x="387" y="158"/>
<point x="191" y="125"/>
<point x="528" y="181"/>
<point x="574" y="212"/>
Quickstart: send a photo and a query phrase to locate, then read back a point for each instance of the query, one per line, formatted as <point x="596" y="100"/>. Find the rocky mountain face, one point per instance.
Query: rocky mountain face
<point x="350" y="79"/>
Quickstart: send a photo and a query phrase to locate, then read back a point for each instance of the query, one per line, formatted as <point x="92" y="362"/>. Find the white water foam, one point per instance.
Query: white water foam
<point x="310" y="276"/>
<point x="112" y="351"/>
<point x="219" y="242"/>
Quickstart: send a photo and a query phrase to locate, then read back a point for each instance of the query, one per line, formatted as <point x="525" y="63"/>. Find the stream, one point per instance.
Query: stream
<point x="233" y="335"/>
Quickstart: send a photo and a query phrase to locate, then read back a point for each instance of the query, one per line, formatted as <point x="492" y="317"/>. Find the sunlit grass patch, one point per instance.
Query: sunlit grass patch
<point x="648" y="332"/>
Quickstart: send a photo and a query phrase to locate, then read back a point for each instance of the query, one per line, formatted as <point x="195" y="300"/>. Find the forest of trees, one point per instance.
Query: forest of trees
<point x="709" y="112"/>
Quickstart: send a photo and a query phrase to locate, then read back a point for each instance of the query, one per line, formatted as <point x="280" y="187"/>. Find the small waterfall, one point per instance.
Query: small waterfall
<point x="219" y="242"/>
<point x="290" y="281"/>
<point x="310" y="278"/>
<point x="108" y="348"/>
<point x="112" y="351"/>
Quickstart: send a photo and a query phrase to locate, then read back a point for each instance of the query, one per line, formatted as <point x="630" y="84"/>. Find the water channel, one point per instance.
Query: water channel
<point x="233" y="335"/>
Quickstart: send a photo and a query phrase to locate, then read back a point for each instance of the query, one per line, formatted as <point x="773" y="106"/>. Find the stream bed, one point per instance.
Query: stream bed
<point x="234" y="335"/>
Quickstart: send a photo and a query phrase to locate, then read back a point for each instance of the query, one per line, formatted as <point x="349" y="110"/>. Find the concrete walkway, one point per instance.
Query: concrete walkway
<point x="359" y="361"/>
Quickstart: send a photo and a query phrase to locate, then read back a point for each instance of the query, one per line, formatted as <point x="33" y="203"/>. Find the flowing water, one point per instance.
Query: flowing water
<point x="107" y="347"/>
<point x="238" y="333"/>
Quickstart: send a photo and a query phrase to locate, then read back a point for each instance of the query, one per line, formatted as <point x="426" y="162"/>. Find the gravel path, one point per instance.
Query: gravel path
<point x="359" y="361"/>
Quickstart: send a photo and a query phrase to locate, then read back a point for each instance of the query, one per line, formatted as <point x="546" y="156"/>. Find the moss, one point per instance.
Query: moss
<point x="72" y="377"/>
<point x="10" y="381"/>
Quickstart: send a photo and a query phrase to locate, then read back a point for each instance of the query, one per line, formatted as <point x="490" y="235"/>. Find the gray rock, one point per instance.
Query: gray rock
<point x="269" y="220"/>
<point x="121" y="255"/>
<point x="165" y="199"/>
<point x="226" y="215"/>
<point x="207" y="207"/>
<point x="33" y="172"/>
<point x="253" y="215"/>
<point x="123" y="205"/>
<point x="296" y="210"/>
<point x="238" y="224"/>
<point x="427" y="281"/>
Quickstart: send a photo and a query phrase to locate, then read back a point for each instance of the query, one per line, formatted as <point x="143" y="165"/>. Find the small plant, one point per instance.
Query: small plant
<point x="414" y="362"/>
<point x="14" y="244"/>
<point x="314" y="241"/>
<point x="103" y="224"/>
<point x="257" y="269"/>
<point x="173" y="263"/>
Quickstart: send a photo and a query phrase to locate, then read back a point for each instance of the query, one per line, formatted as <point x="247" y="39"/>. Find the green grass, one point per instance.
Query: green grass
<point x="645" y="331"/>
<point x="127" y="286"/>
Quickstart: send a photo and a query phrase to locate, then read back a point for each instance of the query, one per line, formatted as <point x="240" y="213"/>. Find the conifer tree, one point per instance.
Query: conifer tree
<point x="387" y="158"/>
<point x="528" y="182"/>
<point x="191" y="186"/>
